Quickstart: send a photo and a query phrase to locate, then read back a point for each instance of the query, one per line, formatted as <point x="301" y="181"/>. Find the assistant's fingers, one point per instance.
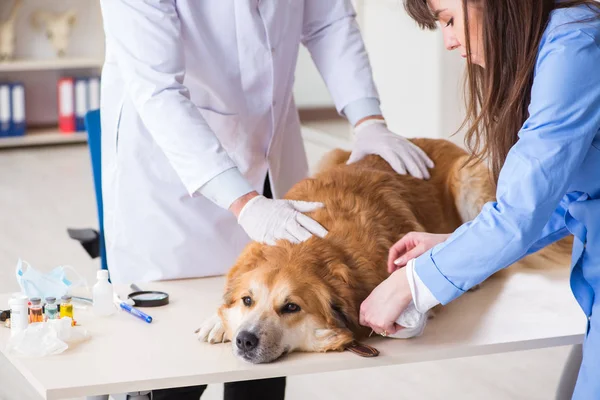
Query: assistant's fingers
<point x="395" y="328"/>
<point x="397" y="250"/>
<point x="414" y="253"/>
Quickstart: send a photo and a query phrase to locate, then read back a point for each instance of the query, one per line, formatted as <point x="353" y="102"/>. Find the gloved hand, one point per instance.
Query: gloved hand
<point x="373" y="137"/>
<point x="267" y="221"/>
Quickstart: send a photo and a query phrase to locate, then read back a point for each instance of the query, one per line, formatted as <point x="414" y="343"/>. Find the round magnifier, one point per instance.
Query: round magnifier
<point x="149" y="298"/>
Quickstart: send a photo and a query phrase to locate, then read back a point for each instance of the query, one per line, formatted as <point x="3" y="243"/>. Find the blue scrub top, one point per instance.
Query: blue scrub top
<point x="548" y="188"/>
<point x="554" y="163"/>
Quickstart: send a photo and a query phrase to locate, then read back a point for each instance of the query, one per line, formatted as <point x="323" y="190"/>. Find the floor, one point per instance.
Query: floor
<point x="44" y="191"/>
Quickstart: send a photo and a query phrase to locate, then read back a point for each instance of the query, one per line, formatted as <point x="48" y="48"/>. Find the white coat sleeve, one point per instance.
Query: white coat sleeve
<point x="422" y="297"/>
<point x="331" y="35"/>
<point x="144" y="37"/>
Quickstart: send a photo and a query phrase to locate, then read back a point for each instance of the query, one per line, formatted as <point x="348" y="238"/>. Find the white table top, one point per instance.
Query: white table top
<point x="520" y="311"/>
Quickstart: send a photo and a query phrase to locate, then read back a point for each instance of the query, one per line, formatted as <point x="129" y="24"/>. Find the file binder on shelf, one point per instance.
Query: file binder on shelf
<point x="5" y="110"/>
<point x="66" y="106"/>
<point x="18" y="125"/>
<point x="94" y="93"/>
<point x="81" y="103"/>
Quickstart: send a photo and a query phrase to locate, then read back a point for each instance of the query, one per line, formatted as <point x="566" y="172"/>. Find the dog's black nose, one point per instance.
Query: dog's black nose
<point x="246" y="341"/>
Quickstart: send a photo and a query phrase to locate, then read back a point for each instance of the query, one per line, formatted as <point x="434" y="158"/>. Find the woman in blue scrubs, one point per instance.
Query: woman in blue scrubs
<point x="533" y="102"/>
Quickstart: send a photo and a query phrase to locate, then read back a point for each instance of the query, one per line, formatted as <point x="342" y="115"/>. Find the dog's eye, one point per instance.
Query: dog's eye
<point x="247" y="301"/>
<point x="290" y="308"/>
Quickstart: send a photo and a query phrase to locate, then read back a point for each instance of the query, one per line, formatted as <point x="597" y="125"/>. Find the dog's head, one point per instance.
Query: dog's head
<point x="287" y="298"/>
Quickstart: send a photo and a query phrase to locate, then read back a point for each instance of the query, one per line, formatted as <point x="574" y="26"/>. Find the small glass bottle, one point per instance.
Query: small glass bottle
<point x="35" y="310"/>
<point x="66" y="308"/>
<point x="51" y="308"/>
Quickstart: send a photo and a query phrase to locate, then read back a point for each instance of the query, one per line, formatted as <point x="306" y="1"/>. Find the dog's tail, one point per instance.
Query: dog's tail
<point x="472" y="186"/>
<point x="333" y="158"/>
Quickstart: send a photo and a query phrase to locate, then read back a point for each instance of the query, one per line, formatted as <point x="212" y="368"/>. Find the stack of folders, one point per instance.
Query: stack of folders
<point x="12" y="109"/>
<point x="76" y="96"/>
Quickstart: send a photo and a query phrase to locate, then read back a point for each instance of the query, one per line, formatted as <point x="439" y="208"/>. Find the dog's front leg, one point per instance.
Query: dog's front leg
<point x="212" y="330"/>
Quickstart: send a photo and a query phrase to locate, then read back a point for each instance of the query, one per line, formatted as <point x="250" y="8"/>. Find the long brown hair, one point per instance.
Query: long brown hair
<point x="498" y="96"/>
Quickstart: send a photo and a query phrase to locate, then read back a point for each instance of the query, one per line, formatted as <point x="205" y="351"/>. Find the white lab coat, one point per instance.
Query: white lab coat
<point x="192" y="88"/>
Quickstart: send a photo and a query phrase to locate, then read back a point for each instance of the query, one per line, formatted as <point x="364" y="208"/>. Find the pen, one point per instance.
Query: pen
<point x="133" y="311"/>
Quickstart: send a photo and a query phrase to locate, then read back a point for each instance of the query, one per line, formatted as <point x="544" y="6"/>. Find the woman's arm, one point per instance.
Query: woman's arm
<point x="564" y="118"/>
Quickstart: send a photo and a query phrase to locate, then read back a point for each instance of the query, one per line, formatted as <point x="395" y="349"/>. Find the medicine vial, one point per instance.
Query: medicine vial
<point x="35" y="310"/>
<point x="19" y="319"/>
<point x="66" y="308"/>
<point x="51" y="308"/>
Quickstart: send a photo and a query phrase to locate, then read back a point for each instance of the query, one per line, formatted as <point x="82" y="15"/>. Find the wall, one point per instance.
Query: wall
<point x="418" y="80"/>
<point x="309" y="89"/>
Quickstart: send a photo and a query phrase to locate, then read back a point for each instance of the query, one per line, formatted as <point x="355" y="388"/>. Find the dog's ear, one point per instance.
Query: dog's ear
<point x="246" y="262"/>
<point x="341" y="286"/>
<point x="343" y="320"/>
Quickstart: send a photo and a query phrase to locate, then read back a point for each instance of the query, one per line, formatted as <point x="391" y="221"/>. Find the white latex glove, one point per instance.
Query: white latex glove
<point x="373" y="137"/>
<point x="267" y="221"/>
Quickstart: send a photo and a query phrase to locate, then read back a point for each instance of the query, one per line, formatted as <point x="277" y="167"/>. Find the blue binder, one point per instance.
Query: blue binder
<point x="81" y="103"/>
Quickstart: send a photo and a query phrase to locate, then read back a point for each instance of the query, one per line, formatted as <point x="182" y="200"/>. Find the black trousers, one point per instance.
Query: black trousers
<point x="261" y="389"/>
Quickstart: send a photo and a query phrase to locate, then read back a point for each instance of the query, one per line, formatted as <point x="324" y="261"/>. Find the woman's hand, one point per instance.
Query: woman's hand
<point x="385" y="304"/>
<point x="412" y="245"/>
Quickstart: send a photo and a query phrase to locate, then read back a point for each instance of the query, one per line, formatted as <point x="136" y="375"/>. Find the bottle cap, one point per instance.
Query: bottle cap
<point x="102" y="274"/>
<point x="35" y="301"/>
<point x="18" y="300"/>
<point x="66" y="297"/>
<point x="50" y="300"/>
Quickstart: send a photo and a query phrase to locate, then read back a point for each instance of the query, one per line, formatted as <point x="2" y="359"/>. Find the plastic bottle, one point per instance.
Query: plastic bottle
<point x="35" y="310"/>
<point x="103" y="295"/>
<point x="19" y="320"/>
<point x="51" y="308"/>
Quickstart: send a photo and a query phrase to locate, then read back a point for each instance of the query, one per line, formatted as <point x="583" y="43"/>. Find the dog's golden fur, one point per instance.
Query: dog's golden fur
<point x="368" y="207"/>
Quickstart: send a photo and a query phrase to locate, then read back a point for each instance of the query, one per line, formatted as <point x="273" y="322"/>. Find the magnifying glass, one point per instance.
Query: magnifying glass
<point x="147" y="298"/>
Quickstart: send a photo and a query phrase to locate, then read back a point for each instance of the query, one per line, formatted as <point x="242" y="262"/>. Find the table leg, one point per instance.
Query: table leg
<point x="145" y="395"/>
<point x="566" y="386"/>
<point x="139" y="396"/>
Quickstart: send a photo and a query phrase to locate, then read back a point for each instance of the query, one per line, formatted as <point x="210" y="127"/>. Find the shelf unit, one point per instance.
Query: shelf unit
<point x="36" y="136"/>
<point x="50" y="64"/>
<point x="36" y="65"/>
<point x="42" y="137"/>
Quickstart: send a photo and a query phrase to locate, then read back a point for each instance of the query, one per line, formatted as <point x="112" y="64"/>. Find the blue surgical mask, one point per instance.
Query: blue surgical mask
<point x="55" y="284"/>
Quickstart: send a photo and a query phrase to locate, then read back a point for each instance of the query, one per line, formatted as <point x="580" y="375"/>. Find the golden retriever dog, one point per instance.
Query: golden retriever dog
<point x="307" y="296"/>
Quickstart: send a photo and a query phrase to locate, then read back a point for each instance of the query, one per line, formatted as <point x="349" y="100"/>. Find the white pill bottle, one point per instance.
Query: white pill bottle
<point x="19" y="318"/>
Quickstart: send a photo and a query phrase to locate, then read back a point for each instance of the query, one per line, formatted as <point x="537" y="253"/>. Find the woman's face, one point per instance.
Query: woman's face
<point x="451" y="18"/>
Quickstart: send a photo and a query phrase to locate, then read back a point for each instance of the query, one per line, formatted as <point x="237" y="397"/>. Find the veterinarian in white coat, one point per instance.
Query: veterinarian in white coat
<point x="197" y="110"/>
<point x="197" y="107"/>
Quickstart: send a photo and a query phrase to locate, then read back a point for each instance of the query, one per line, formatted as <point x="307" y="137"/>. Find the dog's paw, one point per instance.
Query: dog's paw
<point x="212" y="330"/>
